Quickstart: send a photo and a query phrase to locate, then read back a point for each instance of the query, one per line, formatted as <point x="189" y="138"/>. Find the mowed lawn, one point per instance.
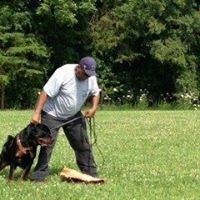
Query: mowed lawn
<point x="145" y="155"/>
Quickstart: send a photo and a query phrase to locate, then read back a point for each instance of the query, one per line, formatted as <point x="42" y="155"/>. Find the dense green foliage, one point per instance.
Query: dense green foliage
<point x="149" y="155"/>
<point x="143" y="48"/>
<point x="151" y="45"/>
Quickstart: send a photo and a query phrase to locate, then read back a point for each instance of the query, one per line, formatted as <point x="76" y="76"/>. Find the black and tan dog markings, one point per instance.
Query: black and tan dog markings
<point x="20" y="150"/>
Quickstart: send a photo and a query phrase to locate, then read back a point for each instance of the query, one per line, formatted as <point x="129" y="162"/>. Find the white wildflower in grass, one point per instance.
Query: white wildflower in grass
<point x="188" y="96"/>
<point x="119" y="99"/>
<point x="115" y="89"/>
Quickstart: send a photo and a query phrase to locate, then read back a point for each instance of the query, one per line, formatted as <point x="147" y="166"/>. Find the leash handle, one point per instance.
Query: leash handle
<point x="92" y="133"/>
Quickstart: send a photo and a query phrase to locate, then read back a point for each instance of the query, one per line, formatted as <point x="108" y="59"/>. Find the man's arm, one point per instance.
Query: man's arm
<point x="95" y="102"/>
<point x="36" y="118"/>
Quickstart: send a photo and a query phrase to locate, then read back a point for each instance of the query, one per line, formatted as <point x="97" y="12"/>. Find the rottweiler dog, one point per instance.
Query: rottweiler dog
<point x="20" y="150"/>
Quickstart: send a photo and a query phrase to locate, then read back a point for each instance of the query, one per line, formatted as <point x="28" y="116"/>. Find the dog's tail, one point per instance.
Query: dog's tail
<point x="4" y="152"/>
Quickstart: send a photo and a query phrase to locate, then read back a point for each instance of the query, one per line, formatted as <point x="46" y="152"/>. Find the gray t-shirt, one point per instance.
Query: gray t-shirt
<point x="66" y="93"/>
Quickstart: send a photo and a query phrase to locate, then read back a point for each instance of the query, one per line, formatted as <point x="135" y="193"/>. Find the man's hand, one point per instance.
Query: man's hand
<point x="90" y="113"/>
<point x="36" y="118"/>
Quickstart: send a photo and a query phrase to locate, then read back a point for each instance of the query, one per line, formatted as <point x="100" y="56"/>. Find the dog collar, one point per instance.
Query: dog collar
<point x="21" y="149"/>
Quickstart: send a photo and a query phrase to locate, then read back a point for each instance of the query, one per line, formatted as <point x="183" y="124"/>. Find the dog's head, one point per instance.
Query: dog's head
<point x="37" y="134"/>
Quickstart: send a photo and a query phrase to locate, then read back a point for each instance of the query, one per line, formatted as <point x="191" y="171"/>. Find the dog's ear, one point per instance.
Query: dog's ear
<point x="10" y="140"/>
<point x="28" y="131"/>
<point x="10" y="137"/>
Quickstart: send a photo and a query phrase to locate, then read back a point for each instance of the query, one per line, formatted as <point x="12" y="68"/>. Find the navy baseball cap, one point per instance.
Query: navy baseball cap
<point x="89" y="65"/>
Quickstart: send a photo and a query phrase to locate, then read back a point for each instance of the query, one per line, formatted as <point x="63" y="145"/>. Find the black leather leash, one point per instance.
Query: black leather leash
<point x="93" y="135"/>
<point x="65" y="123"/>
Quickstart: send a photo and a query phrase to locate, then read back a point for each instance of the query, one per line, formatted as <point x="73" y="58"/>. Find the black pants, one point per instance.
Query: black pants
<point x="76" y="134"/>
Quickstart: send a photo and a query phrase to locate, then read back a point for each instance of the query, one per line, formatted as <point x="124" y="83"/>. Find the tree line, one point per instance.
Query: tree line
<point x="147" y="48"/>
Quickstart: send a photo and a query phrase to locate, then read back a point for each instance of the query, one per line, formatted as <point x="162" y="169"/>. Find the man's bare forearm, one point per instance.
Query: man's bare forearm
<point x="39" y="106"/>
<point x="41" y="101"/>
<point x="95" y="102"/>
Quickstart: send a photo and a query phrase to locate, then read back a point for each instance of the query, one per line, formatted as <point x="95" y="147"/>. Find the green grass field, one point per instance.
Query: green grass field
<point x="148" y="155"/>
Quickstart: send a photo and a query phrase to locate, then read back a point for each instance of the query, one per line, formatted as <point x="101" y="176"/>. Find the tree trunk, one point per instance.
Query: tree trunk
<point x="2" y="97"/>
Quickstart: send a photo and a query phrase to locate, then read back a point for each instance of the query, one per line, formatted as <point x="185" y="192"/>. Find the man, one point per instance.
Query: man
<point x="59" y="105"/>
